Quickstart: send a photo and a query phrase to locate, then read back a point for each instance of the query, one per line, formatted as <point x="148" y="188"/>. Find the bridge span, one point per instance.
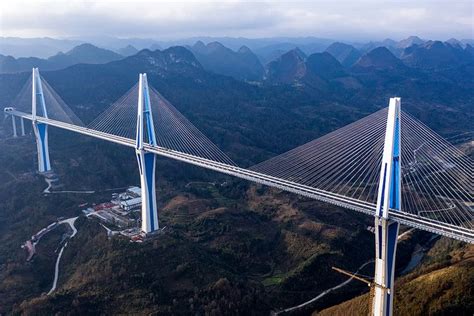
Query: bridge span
<point x="447" y="230"/>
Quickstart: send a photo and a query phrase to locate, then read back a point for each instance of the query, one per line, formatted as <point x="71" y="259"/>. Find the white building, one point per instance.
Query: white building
<point x="134" y="191"/>
<point x="131" y="204"/>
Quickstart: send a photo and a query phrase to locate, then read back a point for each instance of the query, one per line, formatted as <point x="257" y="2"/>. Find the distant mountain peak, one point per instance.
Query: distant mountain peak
<point x="199" y="43"/>
<point x="88" y="53"/>
<point x="454" y="42"/>
<point x="325" y="65"/>
<point x="127" y="50"/>
<point x="288" y="68"/>
<point x="199" y="46"/>
<point x="380" y="52"/>
<point x="155" y="46"/>
<point x="175" y="59"/>
<point x="379" y="58"/>
<point x="298" y="52"/>
<point x="86" y="47"/>
<point x="434" y="44"/>
<point x="144" y="52"/>
<point x="346" y="54"/>
<point x="389" y="42"/>
<point x="215" y="57"/>
<point x="435" y="54"/>
<point x="340" y="45"/>
<point x="295" y="54"/>
<point x="81" y="54"/>
<point x="180" y="54"/>
<point x="215" y="45"/>
<point x="410" y="41"/>
<point x="469" y="49"/>
<point x="244" y="50"/>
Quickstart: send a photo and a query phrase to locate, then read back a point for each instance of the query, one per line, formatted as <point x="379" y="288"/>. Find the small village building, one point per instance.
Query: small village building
<point x="131" y="204"/>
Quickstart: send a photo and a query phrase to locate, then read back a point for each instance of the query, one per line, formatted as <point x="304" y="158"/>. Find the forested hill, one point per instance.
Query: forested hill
<point x="442" y="285"/>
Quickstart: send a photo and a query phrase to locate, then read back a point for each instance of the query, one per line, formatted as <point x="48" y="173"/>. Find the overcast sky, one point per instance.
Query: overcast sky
<point x="356" y="20"/>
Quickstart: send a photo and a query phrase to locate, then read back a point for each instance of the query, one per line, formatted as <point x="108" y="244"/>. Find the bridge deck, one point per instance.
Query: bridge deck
<point x="408" y="219"/>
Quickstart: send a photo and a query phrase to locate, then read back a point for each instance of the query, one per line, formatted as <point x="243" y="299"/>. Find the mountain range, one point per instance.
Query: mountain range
<point x="242" y="64"/>
<point x="316" y="78"/>
<point x="436" y="54"/>
<point x="127" y="50"/>
<point x="264" y="48"/>
<point x="288" y="67"/>
<point x="346" y="54"/>
<point x="81" y="54"/>
<point x="291" y="66"/>
<point x="262" y="62"/>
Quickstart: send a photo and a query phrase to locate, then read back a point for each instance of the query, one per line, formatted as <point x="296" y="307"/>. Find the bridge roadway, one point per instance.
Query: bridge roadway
<point x="408" y="219"/>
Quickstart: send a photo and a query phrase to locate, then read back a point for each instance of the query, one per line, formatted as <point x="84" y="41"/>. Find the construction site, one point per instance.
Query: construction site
<point x="120" y="215"/>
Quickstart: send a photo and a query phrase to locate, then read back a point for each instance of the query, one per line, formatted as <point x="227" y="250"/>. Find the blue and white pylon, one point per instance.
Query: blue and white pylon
<point x="40" y="129"/>
<point x="386" y="231"/>
<point x="146" y="160"/>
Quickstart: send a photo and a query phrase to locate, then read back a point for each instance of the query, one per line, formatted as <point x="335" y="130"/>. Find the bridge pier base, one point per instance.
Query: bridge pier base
<point x="146" y="166"/>
<point x="41" y="135"/>
<point x="22" y="124"/>
<point x="389" y="199"/>
<point x="386" y="234"/>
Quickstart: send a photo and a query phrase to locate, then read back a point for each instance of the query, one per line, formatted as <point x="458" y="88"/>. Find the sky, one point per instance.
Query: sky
<point x="166" y="20"/>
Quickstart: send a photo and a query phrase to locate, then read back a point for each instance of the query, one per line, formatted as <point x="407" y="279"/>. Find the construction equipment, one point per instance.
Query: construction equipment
<point x="371" y="285"/>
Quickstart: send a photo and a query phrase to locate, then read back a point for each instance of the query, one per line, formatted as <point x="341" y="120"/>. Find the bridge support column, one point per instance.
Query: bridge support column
<point x="146" y="163"/>
<point x="22" y="124"/>
<point x="14" y="126"/>
<point x="41" y="134"/>
<point x="40" y="129"/>
<point x="386" y="231"/>
<point x="146" y="160"/>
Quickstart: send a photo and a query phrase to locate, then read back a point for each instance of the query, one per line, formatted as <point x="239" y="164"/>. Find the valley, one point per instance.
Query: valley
<point x="229" y="247"/>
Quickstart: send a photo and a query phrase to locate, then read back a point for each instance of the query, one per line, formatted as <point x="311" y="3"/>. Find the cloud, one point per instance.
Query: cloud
<point x="171" y="20"/>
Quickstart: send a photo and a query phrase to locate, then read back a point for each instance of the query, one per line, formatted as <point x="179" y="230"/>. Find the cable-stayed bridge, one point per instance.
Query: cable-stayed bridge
<point x="388" y="165"/>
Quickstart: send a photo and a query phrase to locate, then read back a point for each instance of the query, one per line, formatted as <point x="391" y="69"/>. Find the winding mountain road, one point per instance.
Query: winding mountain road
<point x="70" y="222"/>
<point x="324" y="293"/>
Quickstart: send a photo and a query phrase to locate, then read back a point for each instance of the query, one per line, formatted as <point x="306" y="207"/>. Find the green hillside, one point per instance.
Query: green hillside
<point x="442" y="285"/>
